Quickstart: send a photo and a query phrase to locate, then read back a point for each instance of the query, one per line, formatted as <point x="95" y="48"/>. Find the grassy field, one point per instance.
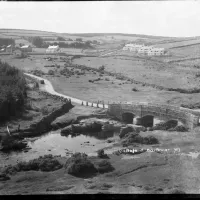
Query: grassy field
<point x="145" y="71"/>
<point x="108" y="88"/>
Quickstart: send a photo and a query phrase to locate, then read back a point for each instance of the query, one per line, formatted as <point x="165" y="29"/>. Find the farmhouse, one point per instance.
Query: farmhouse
<point x="53" y="49"/>
<point x="26" y="48"/>
<point x="9" y="48"/>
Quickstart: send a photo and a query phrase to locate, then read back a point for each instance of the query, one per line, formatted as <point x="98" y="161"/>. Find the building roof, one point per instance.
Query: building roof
<point x="25" y="46"/>
<point x="53" y="47"/>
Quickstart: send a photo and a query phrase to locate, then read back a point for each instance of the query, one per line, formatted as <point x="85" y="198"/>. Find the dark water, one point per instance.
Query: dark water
<point x="55" y="144"/>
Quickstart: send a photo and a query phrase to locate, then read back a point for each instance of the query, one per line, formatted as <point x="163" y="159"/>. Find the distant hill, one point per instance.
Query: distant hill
<point x="25" y="32"/>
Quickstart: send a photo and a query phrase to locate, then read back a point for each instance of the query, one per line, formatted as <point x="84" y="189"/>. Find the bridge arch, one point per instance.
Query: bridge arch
<point x="128" y="117"/>
<point x="147" y="120"/>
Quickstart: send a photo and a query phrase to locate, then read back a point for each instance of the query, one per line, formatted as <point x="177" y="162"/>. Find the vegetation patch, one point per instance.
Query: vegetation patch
<point x="46" y="163"/>
<point x="9" y="143"/>
<point x="101" y="154"/>
<point x="179" y="128"/>
<point x="166" y="125"/>
<point x="79" y="165"/>
<point x="12" y="91"/>
<point x="132" y="138"/>
<point x="104" y="166"/>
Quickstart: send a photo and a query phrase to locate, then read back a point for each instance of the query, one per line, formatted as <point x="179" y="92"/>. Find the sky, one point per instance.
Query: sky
<point x="162" y="18"/>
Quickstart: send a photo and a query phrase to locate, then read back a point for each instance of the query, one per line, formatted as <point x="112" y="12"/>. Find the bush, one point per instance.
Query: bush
<point x="50" y="72"/>
<point x="197" y="75"/>
<point x="179" y="128"/>
<point x="45" y="163"/>
<point x="166" y="125"/>
<point x="136" y="138"/>
<point x="101" y="154"/>
<point x="9" y="143"/>
<point x="134" y="89"/>
<point x="102" y="68"/>
<point x="59" y="38"/>
<point x="79" y="164"/>
<point x="104" y="166"/>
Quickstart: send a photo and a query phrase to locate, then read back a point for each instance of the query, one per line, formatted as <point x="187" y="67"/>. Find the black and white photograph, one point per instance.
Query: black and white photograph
<point x="99" y="97"/>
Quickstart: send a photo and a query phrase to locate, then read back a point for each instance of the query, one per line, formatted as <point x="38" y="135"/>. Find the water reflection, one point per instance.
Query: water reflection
<point x="98" y="135"/>
<point x="55" y="144"/>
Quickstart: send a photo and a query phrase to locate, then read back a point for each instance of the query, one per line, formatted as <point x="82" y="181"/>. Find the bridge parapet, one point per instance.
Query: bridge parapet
<point x="158" y="110"/>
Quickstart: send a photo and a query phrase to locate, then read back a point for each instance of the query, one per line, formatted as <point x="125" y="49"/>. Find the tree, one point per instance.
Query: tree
<point x="59" y="38"/>
<point x="79" y="39"/>
<point x="37" y="41"/>
<point x="101" y="68"/>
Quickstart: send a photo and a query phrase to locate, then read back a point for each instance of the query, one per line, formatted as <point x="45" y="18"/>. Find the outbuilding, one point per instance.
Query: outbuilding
<point x="26" y="48"/>
<point x="53" y="49"/>
<point x="9" y="48"/>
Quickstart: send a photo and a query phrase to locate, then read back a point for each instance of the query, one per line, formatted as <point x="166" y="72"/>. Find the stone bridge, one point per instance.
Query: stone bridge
<point x="147" y="111"/>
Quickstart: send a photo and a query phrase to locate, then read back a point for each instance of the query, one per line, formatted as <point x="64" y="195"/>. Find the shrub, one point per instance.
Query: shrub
<point x="4" y="177"/>
<point x="79" y="164"/>
<point x="136" y="138"/>
<point x="104" y="166"/>
<point x="134" y="89"/>
<point x="9" y="143"/>
<point x="179" y="128"/>
<point x="197" y="75"/>
<point x="176" y="191"/>
<point x="101" y="154"/>
<point x="166" y="125"/>
<point x="102" y="68"/>
<point x="45" y="163"/>
<point x="49" y="165"/>
<point x="50" y="72"/>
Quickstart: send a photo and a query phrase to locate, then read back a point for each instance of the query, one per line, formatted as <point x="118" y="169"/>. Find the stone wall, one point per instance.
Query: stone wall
<point x="44" y="124"/>
<point x="157" y="110"/>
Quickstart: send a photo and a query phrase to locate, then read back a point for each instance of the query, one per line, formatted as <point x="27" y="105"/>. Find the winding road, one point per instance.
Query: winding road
<point x="49" y="88"/>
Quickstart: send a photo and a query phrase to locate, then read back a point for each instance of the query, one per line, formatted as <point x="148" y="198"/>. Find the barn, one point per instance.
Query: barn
<point x="26" y="48"/>
<point x="53" y="49"/>
<point x="9" y="48"/>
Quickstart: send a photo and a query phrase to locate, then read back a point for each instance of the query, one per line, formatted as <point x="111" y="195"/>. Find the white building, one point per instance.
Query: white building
<point x="132" y="47"/>
<point x="53" y="49"/>
<point x="145" y="49"/>
<point x="156" y="52"/>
